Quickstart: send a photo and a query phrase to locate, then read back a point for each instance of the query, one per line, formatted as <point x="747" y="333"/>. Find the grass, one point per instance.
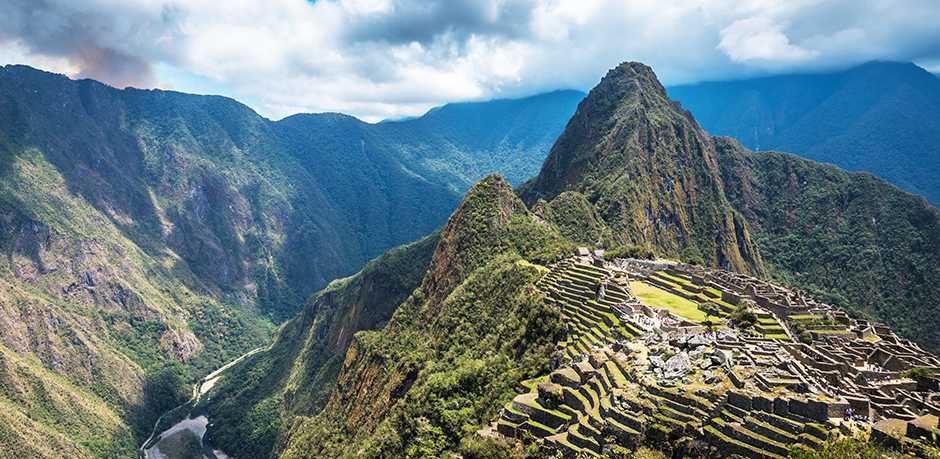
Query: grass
<point x="804" y="317"/>
<point x="659" y="298"/>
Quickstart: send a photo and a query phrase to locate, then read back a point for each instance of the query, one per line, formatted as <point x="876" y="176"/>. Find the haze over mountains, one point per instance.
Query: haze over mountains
<point x="880" y="117"/>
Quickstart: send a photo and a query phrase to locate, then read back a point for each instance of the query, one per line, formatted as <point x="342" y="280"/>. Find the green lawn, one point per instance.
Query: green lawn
<point x="659" y="298"/>
<point x="804" y="317"/>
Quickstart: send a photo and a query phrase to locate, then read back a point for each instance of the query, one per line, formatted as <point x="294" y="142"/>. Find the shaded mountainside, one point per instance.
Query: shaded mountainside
<point x="632" y="172"/>
<point x="150" y="236"/>
<point x="472" y="139"/>
<point x="880" y="117"/>
<point x="299" y="370"/>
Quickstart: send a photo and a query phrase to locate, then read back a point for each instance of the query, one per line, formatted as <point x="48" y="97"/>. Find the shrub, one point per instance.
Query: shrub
<point x="743" y="318"/>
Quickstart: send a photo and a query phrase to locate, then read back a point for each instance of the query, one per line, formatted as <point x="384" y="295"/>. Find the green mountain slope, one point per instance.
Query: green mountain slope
<point x="867" y="245"/>
<point x="452" y="352"/>
<point x="650" y="172"/>
<point x="151" y="236"/>
<point x="296" y="374"/>
<point x="880" y="117"/>
<point x="424" y="383"/>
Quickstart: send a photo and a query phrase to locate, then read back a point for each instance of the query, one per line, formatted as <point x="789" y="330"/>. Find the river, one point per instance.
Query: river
<point x="185" y="438"/>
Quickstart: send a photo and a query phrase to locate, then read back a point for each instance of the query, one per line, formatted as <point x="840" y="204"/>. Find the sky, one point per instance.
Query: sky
<point x="378" y="59"/>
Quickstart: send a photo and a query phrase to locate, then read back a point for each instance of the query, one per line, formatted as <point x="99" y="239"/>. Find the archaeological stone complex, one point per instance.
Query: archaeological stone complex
<point x="715" y="363"/>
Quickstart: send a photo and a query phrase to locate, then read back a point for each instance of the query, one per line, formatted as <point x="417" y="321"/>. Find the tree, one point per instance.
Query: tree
<point x="710" y="310"/>
<point x="743" y="318"/>
<point x="918" y="373"/>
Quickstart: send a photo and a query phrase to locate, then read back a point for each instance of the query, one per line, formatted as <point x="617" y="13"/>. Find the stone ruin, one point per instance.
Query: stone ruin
<point x="633" y="374"/>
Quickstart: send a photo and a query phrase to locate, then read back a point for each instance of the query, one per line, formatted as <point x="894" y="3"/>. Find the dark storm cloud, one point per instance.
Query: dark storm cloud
<point x="425" y="21"/>
<point x="113" y="48"/>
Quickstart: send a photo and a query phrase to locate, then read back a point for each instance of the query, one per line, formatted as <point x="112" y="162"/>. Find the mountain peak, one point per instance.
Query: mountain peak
<point x="629" y="87"/>
<point x="472" y="232"/>
<point x="639" y="75"/>
<point x="629" y="149"/>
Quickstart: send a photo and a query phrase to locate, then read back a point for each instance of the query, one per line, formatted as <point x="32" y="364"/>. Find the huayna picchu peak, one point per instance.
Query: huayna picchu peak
<point x="654" y="288"/>
<point x="650" y="171"/>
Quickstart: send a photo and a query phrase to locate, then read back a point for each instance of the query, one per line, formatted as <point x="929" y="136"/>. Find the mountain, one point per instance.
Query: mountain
<point x="151" y="236"/>
<point x="471" y="326"/>
<point x="492" y="316"/>
<point x="649" y="171"/>
<point x="638" y="157"/>
<point x="880" y="117"/>
<point x="472" y="139"/>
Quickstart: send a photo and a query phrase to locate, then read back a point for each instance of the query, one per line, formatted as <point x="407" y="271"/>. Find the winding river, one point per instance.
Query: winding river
<point x="185" y="438"/>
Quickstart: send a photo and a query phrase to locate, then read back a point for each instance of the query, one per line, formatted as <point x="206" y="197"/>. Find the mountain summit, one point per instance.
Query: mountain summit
<point x="650" y="171"/>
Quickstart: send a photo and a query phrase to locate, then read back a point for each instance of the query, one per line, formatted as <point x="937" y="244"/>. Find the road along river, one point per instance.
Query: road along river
<point x="184" y="439"/>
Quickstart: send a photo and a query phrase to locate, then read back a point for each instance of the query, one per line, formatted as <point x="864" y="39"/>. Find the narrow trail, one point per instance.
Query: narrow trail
<point x="199" y="388"/>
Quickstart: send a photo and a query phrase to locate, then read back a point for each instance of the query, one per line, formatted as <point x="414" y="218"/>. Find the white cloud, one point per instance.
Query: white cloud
<point x="385" y="58"/>
<point x="759" y="39"/>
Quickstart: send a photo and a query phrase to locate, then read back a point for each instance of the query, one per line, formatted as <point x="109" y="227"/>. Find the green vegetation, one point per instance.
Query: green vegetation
<point x="630" y="251"/>
<point x="846" y="448"/>
<point x="918" y="373"/>
<point x="658" y="298"/>
<point x="710" y="310"/>
<point x="743" y="318"/>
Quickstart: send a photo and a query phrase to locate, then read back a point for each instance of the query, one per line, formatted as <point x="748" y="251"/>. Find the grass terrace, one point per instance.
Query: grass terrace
<point x="659" y="298"/>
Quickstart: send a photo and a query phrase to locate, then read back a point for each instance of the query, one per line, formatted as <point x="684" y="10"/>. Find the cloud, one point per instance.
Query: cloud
<point x="759" y="39"/>
<point x="102" y="40"/>
<point x="387" y="58"/>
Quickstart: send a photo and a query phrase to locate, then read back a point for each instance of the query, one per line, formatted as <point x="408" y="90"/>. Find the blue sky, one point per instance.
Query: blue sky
<point x="388" y="58"/>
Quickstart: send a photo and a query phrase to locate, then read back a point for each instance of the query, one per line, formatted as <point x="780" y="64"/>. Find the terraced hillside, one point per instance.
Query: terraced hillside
<point x="633" y="168"/>
<point x="633" y="372"/>
<point x="680" y="287"/>
<point x="592" y="320"/>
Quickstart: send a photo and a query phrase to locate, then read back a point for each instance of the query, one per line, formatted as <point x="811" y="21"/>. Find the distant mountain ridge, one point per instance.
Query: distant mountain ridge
<point x="879" y="117"/>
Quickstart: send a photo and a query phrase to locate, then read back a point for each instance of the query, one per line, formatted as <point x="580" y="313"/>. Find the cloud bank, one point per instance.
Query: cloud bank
<point x="387" y="58"/>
